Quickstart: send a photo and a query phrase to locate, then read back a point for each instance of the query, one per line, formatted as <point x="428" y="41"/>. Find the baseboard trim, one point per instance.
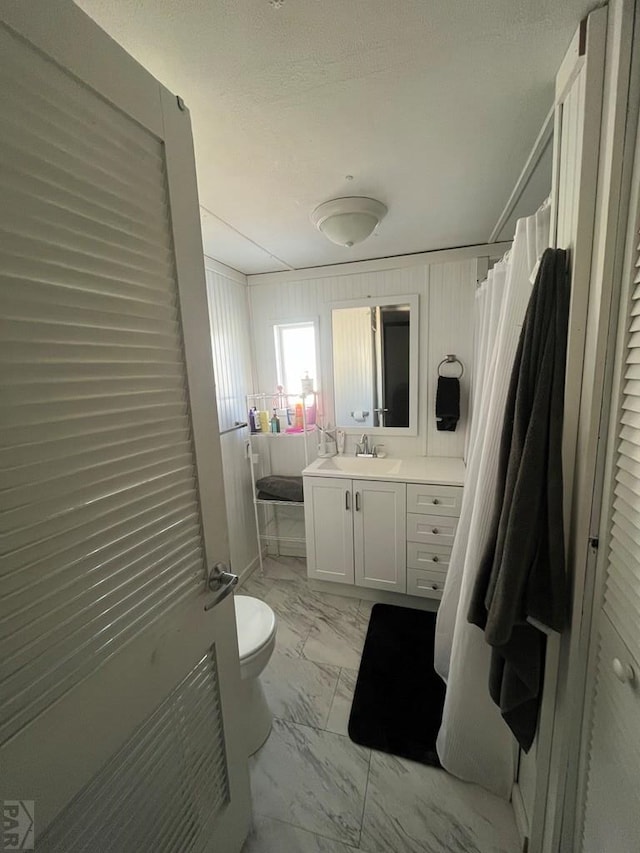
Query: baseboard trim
<point x="379" y="595"/>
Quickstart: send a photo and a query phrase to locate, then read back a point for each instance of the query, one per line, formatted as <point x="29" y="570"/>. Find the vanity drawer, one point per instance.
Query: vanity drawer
<point x="425" y="584"/>
<point x="432" y="558"/>
<point x="434" y="500"/>
<point x="431" y="529"/>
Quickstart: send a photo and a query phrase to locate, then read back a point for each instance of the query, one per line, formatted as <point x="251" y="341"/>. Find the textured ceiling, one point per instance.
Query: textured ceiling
<point x="431" y="105"/>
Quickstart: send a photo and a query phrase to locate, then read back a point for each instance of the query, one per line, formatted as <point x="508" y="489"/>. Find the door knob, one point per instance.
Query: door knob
<point x="622" y="671"/>
<point x="436" y="501"/>
<point x="221" y="582"/>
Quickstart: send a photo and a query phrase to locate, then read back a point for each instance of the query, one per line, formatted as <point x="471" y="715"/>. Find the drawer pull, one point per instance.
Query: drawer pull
<point x="435" y="531"/>
<point x="436" y="501"/>
<point x="435" y="559"/>
<point x="434" y="586"/>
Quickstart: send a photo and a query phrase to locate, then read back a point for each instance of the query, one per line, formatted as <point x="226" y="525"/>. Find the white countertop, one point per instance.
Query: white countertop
<point x="439" y="470"/>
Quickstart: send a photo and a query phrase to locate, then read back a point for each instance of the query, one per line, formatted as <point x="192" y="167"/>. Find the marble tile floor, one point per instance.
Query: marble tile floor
<point x="313" y="789"/>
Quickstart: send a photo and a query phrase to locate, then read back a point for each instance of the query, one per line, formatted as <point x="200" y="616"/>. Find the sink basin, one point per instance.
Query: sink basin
<point x="359" y="466"/>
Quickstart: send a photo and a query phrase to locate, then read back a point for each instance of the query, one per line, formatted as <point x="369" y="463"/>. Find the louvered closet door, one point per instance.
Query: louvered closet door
<point x="612" y="809"/>
<point x="118" y="692"/>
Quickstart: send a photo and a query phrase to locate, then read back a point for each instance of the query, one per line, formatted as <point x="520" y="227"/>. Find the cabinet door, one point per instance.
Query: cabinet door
<point x="612" y="817"/>
<point x="328" y="514"/>
<point x="379" y="530"/>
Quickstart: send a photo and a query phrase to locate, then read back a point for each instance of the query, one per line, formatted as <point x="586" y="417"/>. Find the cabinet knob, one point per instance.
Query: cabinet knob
<point x="622" y="671"/>
<point x="434" y="586"/>
<point x="436" y="559"/>
<point x="435" y="530"/>
<point x="436" y="501"/>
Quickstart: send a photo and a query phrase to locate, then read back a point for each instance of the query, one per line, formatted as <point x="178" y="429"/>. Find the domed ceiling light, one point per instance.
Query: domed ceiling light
<point x="347" y="221"/>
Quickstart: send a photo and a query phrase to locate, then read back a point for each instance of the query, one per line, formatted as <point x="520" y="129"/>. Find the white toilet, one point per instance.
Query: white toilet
<point x="256" y="626"/>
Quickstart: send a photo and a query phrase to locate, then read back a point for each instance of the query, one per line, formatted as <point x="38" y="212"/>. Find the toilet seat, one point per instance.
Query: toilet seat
<point x="256" y="625"/>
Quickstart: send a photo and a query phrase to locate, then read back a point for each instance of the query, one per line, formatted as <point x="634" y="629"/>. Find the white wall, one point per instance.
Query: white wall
<point x="232" y="362"/>
<point x="445" y="283"/>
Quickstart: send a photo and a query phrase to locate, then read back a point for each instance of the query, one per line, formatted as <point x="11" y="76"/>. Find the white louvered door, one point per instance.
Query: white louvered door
<point x="118" y="691"/>
<point x="611" y="785"/>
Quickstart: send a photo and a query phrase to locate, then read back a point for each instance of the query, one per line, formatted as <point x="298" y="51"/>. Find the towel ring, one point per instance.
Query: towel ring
<point x="452" y="359"/>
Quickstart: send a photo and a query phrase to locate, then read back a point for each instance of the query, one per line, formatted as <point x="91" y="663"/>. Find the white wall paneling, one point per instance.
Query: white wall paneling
<point x="232" y="363"/>
<point x="230" y="336"/>
<point x="446" y="291"/>
<point x="450" y="314"/>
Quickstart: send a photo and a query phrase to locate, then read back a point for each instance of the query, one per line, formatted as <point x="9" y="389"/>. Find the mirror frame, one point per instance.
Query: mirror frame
<point x="413" y="300"/>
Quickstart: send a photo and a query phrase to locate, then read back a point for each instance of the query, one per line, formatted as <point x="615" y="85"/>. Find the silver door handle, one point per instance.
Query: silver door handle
<point x="347" y="500"/>
<point x="623" y="671"/>
<point x="357" y="501"/>
<point x="220" y="581"/>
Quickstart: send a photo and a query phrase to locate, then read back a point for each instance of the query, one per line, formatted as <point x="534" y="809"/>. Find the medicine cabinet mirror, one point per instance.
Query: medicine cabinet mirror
<point x="375" y="364"/>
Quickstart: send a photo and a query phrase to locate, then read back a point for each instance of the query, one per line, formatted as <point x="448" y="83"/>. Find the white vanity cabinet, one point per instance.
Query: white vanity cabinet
<point x="432" y="521"/>
<point x="356" y="532"/>
<point x="380" y="547"/>
<point x="328" y="520"/>
<point x="381" y="530"/>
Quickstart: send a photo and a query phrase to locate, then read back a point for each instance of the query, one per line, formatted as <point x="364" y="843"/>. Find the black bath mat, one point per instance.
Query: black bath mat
<point x="398" y="700"/>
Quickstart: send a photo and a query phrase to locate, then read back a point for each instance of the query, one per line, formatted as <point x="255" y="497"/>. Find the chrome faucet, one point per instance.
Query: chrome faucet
<point x="362" y="448"/>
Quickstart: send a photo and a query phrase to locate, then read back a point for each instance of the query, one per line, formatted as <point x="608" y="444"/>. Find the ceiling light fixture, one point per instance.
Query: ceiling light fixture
<point x="347" y="221"/>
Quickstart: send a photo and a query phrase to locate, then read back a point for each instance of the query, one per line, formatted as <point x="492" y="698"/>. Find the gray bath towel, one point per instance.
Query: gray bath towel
<point x="522" y="572"/>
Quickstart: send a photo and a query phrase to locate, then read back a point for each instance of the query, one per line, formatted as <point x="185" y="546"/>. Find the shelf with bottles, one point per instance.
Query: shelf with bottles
<point x="283" y="416"/>
<point x="281" y="413"/>
<point x="309" y="430"/>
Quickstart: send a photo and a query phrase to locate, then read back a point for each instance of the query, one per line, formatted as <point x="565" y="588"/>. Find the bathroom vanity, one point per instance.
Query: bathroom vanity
<point x="383" y="524"/>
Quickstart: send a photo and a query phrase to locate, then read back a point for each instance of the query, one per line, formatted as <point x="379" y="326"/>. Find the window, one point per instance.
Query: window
<point x="295" y="355"/>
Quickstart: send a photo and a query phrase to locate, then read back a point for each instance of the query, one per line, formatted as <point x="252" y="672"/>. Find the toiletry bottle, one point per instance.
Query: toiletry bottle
<point x="311" y="413"/>
<point x="254" y="420"/>
<point x="307" y="384"/>
<point x="299" y="421"/>
<point x="275" y="423"/>
<point x="264" y="421"/>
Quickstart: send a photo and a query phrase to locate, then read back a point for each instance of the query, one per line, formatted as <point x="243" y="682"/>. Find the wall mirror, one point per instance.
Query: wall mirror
<point x="375" y="363"/>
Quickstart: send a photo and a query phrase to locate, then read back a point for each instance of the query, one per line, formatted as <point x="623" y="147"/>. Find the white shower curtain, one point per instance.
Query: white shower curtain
<point x="474" y="743"/>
